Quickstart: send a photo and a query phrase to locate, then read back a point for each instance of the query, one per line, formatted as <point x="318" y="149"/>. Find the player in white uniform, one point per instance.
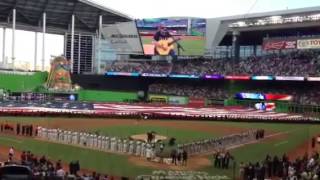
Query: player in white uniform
<point x="113" y="144"/>
<point x="138" y="148"/>
<point x="131" y="147"/>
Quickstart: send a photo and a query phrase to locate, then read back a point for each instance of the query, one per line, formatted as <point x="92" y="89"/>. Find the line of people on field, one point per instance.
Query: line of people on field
<point x="110" y="144"/>
<point x="225" y="142"/>
<point x="20" y="129"/>
<point x="179" y="156"/>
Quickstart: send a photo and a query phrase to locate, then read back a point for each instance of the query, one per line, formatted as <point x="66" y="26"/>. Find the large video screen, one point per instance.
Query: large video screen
<point x="188" y="35"/>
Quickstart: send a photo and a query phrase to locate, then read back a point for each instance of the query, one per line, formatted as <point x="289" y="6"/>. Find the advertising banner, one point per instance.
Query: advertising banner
<point x="278" y="97"/>
<point x="183" y="76"/>
<point x="308" y="43"/>
<point x="260" y="96"/>
<point x="196" y="102"/>
<point x="214" y="76"/>
<point x="153" y="75"/>
<point x="158" y="98"/>
<point x="262" y="78"/>
<point x="122" y="74"/>
<point x="313" y="78"/>
<point x="265" y="106"/>
<point x="178" y="100"/>
<point x="289" y="78"/>
<point x="255" y="96"/>
<point x="279" y="44"/>
<point x="237" y="77"/>
<point x="122" y="38"/>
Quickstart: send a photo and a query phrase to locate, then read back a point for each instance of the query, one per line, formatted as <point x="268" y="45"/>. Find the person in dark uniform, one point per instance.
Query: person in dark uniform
<point x="27" y="130"/>
<point x="18" y="129"/>
<point x="184" y="157"/>
<point x="313" y="142"/>
<point x="174" y="156"/>
<point x="31" y="130"/>
<point x="23" y="130"/>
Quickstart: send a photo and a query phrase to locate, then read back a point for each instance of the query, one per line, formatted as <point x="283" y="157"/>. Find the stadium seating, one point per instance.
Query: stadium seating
<point x="310" y="96"/>
<point x="296" y="63"/>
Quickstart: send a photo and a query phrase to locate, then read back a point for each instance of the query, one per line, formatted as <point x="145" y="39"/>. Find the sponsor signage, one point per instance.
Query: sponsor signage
<point x="308" y="43"/>
<point x="250" y="96"/>
<point x="289" y="78"/>
<point x="313" y="78"/>
<point x="262" y="78"/>
<point x="153" y="75"/>
<point x="158" y="98"/>
<point x="278" y="97"/>
<point x="237" y="77"/>
<point x="183" y="76"/>
<point x="178" y="100"/>
<point x="122" y="38"/>
<point x="260" y="96"/>
<point x="214" y="76"/>
<point x="122" y="74"/>
<point x="265" y="106"/>
<point x="279" y="44"/>
<point x="196" y="102"/>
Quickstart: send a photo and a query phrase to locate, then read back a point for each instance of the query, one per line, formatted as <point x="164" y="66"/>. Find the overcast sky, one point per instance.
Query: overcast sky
<point x="149" y="9"/>
<point x="201" y="8"/>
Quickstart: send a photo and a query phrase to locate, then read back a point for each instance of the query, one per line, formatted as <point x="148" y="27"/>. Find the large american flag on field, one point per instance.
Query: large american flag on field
<point x="189" y="111"/>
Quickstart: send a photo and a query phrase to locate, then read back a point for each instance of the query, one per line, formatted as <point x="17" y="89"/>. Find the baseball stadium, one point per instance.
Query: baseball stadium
<point x="232" y="97"/>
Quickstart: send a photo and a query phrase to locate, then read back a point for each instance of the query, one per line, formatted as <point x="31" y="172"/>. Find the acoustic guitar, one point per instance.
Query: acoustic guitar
<point x="164" y="46"/>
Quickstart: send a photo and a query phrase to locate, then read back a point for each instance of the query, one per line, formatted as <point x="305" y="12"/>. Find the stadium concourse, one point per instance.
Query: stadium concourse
<point x="146" y="111"/>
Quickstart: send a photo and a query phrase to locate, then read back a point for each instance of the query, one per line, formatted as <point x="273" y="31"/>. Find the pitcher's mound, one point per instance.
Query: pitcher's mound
<point x="144" y="137"/>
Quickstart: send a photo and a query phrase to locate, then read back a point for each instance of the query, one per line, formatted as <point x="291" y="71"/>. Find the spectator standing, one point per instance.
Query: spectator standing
<point x="18" y="129"/>
<point x="184" y="157"/>
<point x="11" y="153"/>
<point x="61" y="173"/>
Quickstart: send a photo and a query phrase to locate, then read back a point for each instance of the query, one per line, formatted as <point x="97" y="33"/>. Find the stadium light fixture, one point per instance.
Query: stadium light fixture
<point x="276" y="19"/>
<point x="241" y="23"/>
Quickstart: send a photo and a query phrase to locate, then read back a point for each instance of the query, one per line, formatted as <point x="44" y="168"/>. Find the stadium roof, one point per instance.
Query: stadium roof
<point x="58" y="15"/>
<point x="285" y="12"/>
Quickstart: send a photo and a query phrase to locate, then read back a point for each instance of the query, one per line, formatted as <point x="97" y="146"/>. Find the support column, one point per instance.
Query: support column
<point x="43" y="40"/>
<point x="72" y="43"/>
<point x="13" y="56"/>
<point x="35" y="51"/>
<point x="235" y="45"/>
<point x="4" y="46"/>
<point x="99" y="44"/>
<point x="79" y="53"/>
<point x="189" y="26"/>
<point x="255" y="50"/>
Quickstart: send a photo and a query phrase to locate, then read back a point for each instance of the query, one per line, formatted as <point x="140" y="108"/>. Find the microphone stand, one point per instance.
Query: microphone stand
<point x="179" y="47"/>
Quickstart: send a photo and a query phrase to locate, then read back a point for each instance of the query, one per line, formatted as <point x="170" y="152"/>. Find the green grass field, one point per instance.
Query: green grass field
<point x="182" y="136"/>
<point x="296" y="134"/>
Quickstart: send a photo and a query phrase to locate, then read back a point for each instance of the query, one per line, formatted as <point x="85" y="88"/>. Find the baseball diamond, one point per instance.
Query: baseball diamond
<point x="90" y="93"/>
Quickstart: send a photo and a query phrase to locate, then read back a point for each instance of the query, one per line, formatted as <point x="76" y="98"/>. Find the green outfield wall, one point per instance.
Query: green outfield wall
<point x="106" y="96"/>
<point x="22" y="82"/>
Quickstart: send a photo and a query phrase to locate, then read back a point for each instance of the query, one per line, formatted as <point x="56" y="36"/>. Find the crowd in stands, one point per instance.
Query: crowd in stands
<point x="295" y="63"/>
<point x="306" y="167"/>
<point x="309" y="96"/>
<point x="191" y="91"/>
<point x="161" y="67"/>
<point x="43" y="168"/>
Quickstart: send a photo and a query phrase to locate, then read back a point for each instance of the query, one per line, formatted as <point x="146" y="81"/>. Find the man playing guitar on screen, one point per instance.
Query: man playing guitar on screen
<point x="164" y="42"/>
